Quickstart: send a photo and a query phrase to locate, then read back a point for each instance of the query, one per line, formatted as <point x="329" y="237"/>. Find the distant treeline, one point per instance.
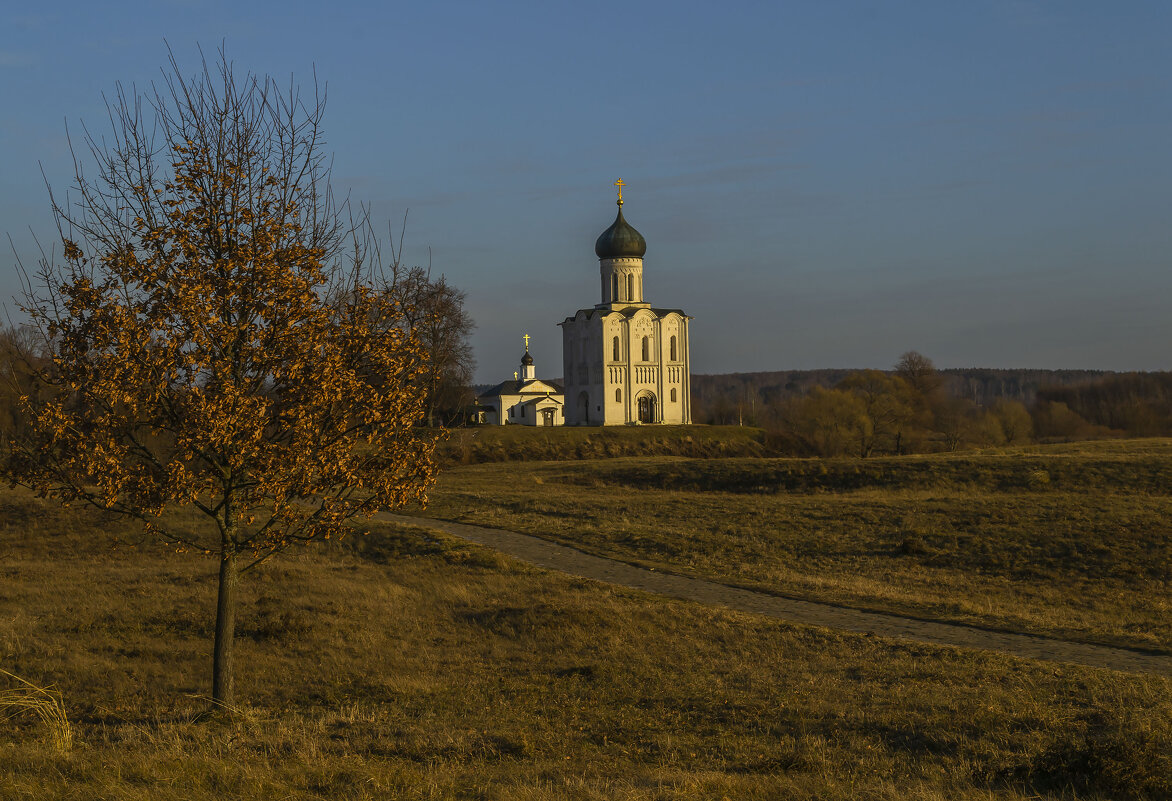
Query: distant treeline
<point x="912" y="408"/>
<point x="1139" y="404"/>
<point x="916" y="408"/>
<point x="718" y="396"/>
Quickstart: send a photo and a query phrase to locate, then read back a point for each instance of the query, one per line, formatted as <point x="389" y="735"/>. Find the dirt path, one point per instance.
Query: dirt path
<point x="569" y="560"/>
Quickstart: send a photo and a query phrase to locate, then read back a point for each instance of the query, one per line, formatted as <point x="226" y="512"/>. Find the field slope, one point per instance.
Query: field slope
<point x="402" y="665"/>
<point x="1064" y="541"/>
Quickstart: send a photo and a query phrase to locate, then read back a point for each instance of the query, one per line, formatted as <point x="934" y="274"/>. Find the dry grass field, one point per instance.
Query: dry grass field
<point x="401" y="665"/>
<point x="1066" y="541"/>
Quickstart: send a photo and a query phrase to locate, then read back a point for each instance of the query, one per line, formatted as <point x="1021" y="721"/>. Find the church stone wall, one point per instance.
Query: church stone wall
<point x="614" y="386"/>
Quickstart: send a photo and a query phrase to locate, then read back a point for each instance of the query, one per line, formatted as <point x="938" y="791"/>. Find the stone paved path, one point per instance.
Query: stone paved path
<point x="569" y="560"/>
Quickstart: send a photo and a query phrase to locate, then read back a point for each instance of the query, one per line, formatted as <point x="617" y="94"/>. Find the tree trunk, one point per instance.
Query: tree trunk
<point x="223" y="678"/>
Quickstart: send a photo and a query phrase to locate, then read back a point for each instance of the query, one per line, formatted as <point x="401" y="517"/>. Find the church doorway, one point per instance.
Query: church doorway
<point x="647" y="408"/>
<point x="583" y="408"/>
<point x="547" y="417"/>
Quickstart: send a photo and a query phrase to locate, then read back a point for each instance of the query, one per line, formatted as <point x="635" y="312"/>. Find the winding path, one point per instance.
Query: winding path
<point x="570" y="560"/>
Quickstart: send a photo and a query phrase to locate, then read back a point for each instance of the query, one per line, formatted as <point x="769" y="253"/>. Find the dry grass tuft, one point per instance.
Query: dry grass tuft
<point x="44" y="702"/>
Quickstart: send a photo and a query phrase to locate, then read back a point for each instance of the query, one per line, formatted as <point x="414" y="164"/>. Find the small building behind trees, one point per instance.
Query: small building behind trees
<point x="526" y="400"/>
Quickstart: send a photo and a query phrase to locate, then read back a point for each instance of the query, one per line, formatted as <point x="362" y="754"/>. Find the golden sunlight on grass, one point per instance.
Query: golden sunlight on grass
<point x="402" y="665"/>
<point x="967" y="538"/>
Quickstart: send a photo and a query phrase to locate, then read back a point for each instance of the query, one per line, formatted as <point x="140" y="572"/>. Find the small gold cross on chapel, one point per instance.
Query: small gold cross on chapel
<point x="526" y="338"/>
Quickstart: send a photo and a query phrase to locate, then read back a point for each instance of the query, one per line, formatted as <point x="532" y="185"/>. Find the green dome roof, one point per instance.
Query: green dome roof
<point x="620" y="241"/>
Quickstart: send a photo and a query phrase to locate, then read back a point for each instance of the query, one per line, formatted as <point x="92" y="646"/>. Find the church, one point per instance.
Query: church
<point x="526" y="400"/>
<point x="625" y="361"/>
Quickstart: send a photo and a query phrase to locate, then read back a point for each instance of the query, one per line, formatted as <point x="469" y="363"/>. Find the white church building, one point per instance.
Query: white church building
<point x="625" y="361"/>
<point x="526" y="400"/>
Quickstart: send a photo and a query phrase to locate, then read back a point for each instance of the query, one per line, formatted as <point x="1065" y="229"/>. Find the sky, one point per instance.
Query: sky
<point x="823" y="183"/>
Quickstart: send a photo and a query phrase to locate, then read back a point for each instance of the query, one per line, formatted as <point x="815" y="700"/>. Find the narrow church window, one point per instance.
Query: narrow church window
<point x="618" y="396"/>
<point x="646" y="350"/>
<point x="614" y="294"/>
<point x="630" y="287"/>
<point x="673" y="396"/>
<point x="616" y="349"/>
<point x="673" y="351"/>
<point x="522" y="411"/>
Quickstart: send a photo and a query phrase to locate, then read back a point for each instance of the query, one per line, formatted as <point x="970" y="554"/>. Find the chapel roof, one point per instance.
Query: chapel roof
<point x="542" y="399"/>
<point x="519" y="387"/>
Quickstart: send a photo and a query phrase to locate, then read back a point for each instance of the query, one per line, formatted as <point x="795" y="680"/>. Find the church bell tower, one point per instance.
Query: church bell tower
<point x="625" y="362"/>
<point x="620" y="251"/>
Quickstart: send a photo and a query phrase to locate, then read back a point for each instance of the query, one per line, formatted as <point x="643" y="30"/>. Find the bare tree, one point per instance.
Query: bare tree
<point x="920" y="374"/>
<point x="435" y="312"/>
<point x="886" y="404"/>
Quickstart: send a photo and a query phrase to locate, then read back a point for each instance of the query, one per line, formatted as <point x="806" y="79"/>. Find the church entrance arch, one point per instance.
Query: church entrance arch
<point x="583" y="408"/>
<point x="646" y="408"/>
<point x="547" y="417"/>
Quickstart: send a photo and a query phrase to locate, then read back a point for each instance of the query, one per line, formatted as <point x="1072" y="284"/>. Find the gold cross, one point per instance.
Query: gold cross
<point x="619" y="183"/>
<point x="526" y="337"/>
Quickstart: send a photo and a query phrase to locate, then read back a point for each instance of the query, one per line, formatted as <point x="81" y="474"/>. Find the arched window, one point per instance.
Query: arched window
<point x="616" y="349"/>
<point x="614" y="290"/>
<point x="646" y="350"/>
<point x="673" y="350"/>
<point x="673" y="396"/>
<point x="618" y="396"/>
<point x="630" y="287"/>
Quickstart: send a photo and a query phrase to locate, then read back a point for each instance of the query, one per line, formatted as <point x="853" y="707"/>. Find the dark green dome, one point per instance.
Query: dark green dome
<point x="620" y="241"/>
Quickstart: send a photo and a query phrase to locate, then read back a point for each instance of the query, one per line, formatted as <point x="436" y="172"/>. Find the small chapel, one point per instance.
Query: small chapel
<point x="625" y="361"/>
<point x="526" y="400"/>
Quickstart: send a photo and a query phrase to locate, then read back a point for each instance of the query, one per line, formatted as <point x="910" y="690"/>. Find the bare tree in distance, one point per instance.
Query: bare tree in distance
<point x="920" y="374"/>
<point x="887" y="406"/>
<point x="220" y="334"/>
<point x="434" y="311"/>
<point x="21" y="358"/>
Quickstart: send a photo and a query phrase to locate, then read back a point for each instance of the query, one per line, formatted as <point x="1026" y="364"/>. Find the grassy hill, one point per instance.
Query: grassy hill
<point x="402" y="665"/>
<point x="524" y="443"/>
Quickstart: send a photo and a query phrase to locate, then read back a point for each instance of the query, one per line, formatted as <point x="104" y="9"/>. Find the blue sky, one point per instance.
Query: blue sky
<point x="821" y="184"/>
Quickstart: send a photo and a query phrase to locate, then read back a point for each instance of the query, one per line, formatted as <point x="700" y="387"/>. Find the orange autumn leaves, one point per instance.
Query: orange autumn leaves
<point x="214" y="358"/>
